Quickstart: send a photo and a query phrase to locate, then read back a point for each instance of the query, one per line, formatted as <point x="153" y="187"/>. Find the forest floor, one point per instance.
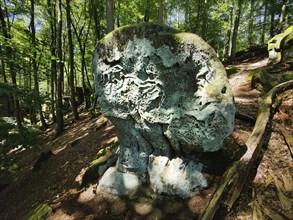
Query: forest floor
<point x="56" y="181"/>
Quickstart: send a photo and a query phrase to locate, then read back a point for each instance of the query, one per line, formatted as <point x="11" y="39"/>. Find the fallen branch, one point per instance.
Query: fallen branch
<point x="246" y="118"/>
<point x="235" y="177"/>
<point x="288" y="138"/>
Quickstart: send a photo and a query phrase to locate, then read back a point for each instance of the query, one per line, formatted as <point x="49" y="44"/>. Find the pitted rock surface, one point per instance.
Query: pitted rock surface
<point x="168" y="96"/>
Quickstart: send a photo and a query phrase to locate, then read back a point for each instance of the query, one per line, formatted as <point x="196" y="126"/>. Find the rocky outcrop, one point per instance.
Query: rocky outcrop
<point x="169" y="98"/>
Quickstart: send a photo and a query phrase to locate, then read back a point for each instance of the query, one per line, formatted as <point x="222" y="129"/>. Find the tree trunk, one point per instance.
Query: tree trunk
<point x="198" y="16"/>
<point x="228" y="35"/>
<point x="53" y="82"/>
<point x="110" y="15"/>
<point x="8" y="101"/>
<point x="272" y="12"/>
<point x="161" y="12"/>
<point x="118" y="14"/>
<point x="71" y="62"/>
<point x="94" y="4"/>
<point x="238" y="6"/>
<point x="187" y="16"/>
<point x="59" y="111"/>
<point x="82" y="48"/>
<point x="9" y="53"/>
<point x="250" y="23"/>
<point x="282" y="19"/>
<point x="147" y="12"/>
<point x="37" y="101"/>
<point x="262" y="40"/>
<point x="204" y="24"/>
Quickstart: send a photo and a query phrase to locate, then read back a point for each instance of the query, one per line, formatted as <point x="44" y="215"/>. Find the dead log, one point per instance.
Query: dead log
<point x="235" y="177"/>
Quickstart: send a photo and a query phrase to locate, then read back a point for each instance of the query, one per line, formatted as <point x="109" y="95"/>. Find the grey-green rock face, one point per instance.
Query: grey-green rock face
<point x="167" y="95"/>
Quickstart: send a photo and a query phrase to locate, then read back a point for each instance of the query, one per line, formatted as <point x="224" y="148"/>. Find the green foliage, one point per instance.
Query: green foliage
<point x="231" y="70"/>
<point x="9" y="132"/>
<point x="11" y="140"/>
<point x="42" y="211"/>
<point x="287" y="76"/>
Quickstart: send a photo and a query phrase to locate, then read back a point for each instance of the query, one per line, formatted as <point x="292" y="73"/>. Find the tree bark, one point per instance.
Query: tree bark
<point x="272" y="12"/>
<point x="161" y="12"/>
<point x="235" y="177"/>
<point x="147" y="12"/>
<point x="59" y="111"/>
<point x="238" y="7"/>
<point x="262" y="40"/>
<point x="204" y="24"/>
<point x="71" y="62"/>
<point x="228" y="35"/>
<point x="250" y="23"/>
<point x="94" y="4"/>
<point x="3" y="66"/>
<point x="82" y="47"/>
<point x="53" y="82"/>
<point x="282" y="19"/>
<point x="37" y="101"/>
<point x="9" y="53"/>
<point x="110" y="15"/>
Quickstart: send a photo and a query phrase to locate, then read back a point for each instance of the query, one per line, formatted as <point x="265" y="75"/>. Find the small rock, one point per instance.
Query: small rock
<point x="143" y="207"/>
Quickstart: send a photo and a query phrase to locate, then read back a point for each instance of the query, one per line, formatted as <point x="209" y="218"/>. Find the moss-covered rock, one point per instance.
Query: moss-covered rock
<point x="263" y="79"/>
<point x="105" y="158"/>
<point x="280" y="47"/>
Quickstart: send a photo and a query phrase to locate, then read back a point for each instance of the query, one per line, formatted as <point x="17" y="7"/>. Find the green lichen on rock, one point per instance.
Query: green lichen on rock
<point x="168" y="96"/>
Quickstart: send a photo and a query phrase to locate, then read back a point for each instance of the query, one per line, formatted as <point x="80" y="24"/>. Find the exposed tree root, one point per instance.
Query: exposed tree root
<point x="236" y="176"/>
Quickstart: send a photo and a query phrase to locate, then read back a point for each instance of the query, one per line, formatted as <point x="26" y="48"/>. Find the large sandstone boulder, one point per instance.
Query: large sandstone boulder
<point x="169" y="98"/>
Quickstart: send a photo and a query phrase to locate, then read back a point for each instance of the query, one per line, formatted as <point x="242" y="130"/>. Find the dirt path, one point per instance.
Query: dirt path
<point x="269" y="192"/>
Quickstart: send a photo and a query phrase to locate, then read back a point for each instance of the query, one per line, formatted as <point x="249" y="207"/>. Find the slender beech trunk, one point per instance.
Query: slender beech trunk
<point x="198" y="16"/>
<point x="3" y="66"/>
<point x="110" y="15"/>
<point x="161" y="12"/>
<point x="9" y="53"/>
<point x="71" y="62"/>
<point x="82" y="48"/>
<point x="60" y="67"/>
<point x="187" y="16"/>
<point x="228" y="35"/>
<point x="272" y="12"/>
<point x="263" y="34"/>
<point x="147" y="12"/>
<point x="250" y="23"/>
<point x="94" y="4"/>
<point x="118" y="14"/>
<point x="204" y="27"/>
<point x="37" y="101"/>
<point x="238" y="6"/>
<point x="52" y="17"/>
<point x="282" y="16"/>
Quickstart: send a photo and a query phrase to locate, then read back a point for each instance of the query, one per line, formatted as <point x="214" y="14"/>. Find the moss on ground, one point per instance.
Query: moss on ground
<point x="42" y="211"/>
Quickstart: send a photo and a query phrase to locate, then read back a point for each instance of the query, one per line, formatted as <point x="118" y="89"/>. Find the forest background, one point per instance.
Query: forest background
<point x="46" y="46"/>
